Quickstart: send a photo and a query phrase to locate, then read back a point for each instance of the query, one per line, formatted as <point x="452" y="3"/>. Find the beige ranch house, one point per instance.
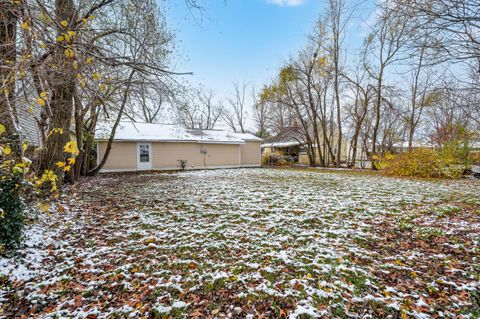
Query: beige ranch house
<point x="146" y="146"/>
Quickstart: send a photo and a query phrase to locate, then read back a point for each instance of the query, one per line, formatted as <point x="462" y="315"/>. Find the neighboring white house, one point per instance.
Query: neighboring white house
<point x="146" y="146"/>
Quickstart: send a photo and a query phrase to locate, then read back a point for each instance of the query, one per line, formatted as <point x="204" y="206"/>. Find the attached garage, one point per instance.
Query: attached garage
<point x="146" y="146"/>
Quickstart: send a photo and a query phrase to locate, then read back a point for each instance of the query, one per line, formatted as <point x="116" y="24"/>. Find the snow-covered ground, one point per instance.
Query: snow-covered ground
<point x="249" y="243"/>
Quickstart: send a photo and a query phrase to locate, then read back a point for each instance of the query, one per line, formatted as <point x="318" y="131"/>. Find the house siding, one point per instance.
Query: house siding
<point x="251" y="153"/>
<point x="166" y="155"/>
<point x="303" y="157"/>
<point x="123" y="155"/>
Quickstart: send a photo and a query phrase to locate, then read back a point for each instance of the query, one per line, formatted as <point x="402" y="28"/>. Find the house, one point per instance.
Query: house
<point x="29" y="114"/>
<point x="146" y="146"/>
<point x="286" y="143"/>
<point x="290" y="142"/>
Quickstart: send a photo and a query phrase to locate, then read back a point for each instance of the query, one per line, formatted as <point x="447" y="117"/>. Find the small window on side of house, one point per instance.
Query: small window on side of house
<point x="144" y="153"/>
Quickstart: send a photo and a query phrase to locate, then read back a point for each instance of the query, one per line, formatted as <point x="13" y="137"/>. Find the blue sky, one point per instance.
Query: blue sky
<point x="241" y="40"/>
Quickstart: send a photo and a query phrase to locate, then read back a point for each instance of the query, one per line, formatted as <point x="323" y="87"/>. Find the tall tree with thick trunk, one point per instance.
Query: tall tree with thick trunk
<point x="8" y="54"/>
<point x="61" y="81"/>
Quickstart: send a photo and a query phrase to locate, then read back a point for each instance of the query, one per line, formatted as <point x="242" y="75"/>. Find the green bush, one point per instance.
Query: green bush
<point x="19" y="184"/>
<point x="12" y="191"/>
<point x="11" y="212"/>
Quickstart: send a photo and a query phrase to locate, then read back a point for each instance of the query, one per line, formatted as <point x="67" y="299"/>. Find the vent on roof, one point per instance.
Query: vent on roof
<point x="196" y="132"/>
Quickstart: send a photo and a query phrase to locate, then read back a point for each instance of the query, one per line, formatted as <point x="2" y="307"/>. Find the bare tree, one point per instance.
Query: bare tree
<point x="278" y="116"/>
<point x="358" y="109"/>
<point x="260" y="112"/>
<point x="454" y="26"/>
<point x="235" y="116"/>
<point x="383" y="46"/>
<point x="421" y="94"/>
<point x="391" y="124"/>
<point x="140" y="53"/>
<point x="151" y="100"/>
<point x="338" y="17"/>
<point x="8" y="53"/>
<point x="202" y="111"/>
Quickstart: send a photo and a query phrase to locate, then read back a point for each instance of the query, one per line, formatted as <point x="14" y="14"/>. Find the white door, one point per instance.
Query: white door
<point x="144" y="156"/>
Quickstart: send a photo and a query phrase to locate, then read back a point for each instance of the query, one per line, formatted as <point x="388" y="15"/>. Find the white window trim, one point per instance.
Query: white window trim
<point x="144" y="166"/>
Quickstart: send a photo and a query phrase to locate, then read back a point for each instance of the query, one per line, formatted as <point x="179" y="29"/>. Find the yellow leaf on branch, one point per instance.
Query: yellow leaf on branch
<point x="41" y="101"/>
<point x="71" y="148"/>
<point x="69" y="53"/>
<point x="60" y="164"/>
<point x="25" y="25"/>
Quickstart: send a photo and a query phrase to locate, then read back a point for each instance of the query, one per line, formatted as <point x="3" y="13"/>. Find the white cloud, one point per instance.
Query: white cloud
<point x="286" y="3"/>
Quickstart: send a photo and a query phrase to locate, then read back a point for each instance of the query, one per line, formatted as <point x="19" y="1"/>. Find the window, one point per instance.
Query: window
<point x="144" y="153"/>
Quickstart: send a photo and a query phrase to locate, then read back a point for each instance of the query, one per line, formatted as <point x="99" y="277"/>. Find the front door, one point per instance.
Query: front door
<point x="144" y="156"/>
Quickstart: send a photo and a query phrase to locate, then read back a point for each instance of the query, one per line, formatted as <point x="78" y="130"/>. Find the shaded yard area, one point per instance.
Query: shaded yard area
<point x="252" y="243"/>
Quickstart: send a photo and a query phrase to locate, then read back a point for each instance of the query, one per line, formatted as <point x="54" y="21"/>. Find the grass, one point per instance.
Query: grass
<point x="260" y="242"/>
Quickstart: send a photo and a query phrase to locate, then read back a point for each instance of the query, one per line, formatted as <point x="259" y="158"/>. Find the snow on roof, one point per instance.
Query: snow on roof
<point x="288" y="136"/>
<point x="418" y="144"/>
<point x="282" y="144"/>
<point x="246" y="136"/>
<point x="130" y="131"/>
<point x="415" y="144"/>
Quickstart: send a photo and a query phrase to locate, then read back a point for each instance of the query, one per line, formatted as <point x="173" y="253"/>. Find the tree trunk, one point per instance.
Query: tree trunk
<point x="376" y="126"/>
<point x="89" y="140"/>
<point x="114" y="128"/>
<point x="313" y="156"/>
<point x="79" y="134"/>
<point x="337" y="100"/>
<point x="62" y="86"/>
<point x="319" y="146"/>
<point x="8" y="31"/>
<point x="354" y="147"/>
<point x="61" y="105"/>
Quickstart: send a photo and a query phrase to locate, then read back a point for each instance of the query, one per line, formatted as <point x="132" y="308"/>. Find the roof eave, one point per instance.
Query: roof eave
<point x="170" y="141"/>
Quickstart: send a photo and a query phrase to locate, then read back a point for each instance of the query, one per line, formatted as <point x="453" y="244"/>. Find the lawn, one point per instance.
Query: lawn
<point x="252" y="243"/>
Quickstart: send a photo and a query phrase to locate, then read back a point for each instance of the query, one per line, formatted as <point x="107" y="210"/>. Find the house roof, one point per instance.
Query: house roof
<point x="150" y="132"/>
<point x="473" y="143"/>
<point x="246" y="136"/>
<point x="289" y="136"/>
<point x="415" y="144"/>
